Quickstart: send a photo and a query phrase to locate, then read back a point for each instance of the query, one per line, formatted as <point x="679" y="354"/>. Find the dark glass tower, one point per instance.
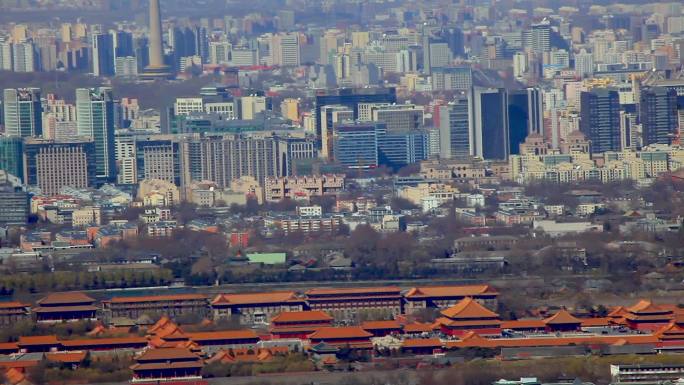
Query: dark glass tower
<point x="658" y="115"/>
<point x="491" y="123"/>
<point x="103" y="55"/>
<point x="525" y="116"/>
<point x="600" y="119"/>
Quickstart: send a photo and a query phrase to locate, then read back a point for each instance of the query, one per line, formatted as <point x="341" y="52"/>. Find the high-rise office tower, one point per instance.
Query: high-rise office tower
<point x="6" y="58"/>
<point x="24" y="57"/>
<point x="14" y="200"/>
<point x="123" y="44"/>
<point x="330" y="117"/>
<point x="351" y="98"/>
<point x="398" y="117"/>
<point x="46" y="54"/>
<point x="20" y="32"/>
<point x="490" y="117"/>
<point x="440" y="54"/>
<point x="584" y="63"/>
<point x="292" y="150"/>
<point x="95" y="120"/>
<point x="398" y="149"/>
<point x="285" y="49"/>
<point x="453" y="36"/>
<point x="600" y="119"/>
<point x="356" y="144"/>
<point x="66" y="32"/>
<point x="658" y="115"/>
<point x="156" y="69"/>
<point x="158" y="157"/>
<point x="202" y="42"/>
<point x="11" y="150"/>
<point x="425" y="43"/>
<point x="525" y="116"/>
<point x="452" y="78"/>
<point x="538" y="37"/>
<point x="519" y="64"/>
<point x="222" y="158"/>
<point x="630" y="131"/>
<point x="142" y="53"/>
<point x="456" y="127"/>
<point x="649" y="31"/>
<point x="251" y="105"/>
<point x="22" y="111"/>
<point x="52" y="165"/>
<point x="103" y="55"/>
<point x="183" y="43"/>
<point x="220" y="52"/>
<point x="125" y="155"/>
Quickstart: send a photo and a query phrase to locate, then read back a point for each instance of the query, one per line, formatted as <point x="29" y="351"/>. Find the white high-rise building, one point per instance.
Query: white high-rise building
<point x="126" y="66"/>
<point x="538" y="37"/>
<point x="559" y="58"/>
<point x="584" y="63"/>
<point x="23" y="57"/>
<point x="126" y="159"/>
<point x="440" y="55"/>
<point x="240" y="57"/>
<point x="601" y="46"/>
<point x="519" y="64"/>
<point x="342" y="66"/>
<point x="219" y="52"/>
<point x="285" y="50"/>
<point x="6" y="56"/>
<point x="456" y="128"/>
<point x="22" y="110"/>
<point x="407" y="61"/>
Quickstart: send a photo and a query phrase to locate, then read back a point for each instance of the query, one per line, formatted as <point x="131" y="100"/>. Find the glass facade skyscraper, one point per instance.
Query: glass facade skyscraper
<point x="398" y="149"/>
<point x="11" y="149"/>
<point x="22" y="112"/>
<point x="491" y="137"/>
<point x="95" y="115"/>
<point x="525" y="116"/>
<point x="356" y="144"/>
<point x="455" y="128"/>
<point x="103" y="55"/>
<point x="600" y="119"/>
<point x="658" y="115"/>
<point x="351" y="98"/>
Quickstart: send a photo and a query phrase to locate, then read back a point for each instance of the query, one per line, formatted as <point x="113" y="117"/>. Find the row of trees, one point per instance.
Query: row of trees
<point x="65" y="281"/>
<point x="29" y="328"/>
<point x="93" y="370"/>
<point x="279" y="364"/>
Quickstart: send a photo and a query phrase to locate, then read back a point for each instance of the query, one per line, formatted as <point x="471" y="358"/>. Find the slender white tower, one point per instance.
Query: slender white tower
<point x="156" y="69"/>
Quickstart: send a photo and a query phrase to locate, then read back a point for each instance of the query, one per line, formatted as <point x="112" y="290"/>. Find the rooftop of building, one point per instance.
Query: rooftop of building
<point x="340" y="332"/>
<point x="159" y="298"/>
<point x="450" y="291"/>
<point x="255" y="298"/>
<point x="353" y="291"/>
<point x="301" y="316"/>
<point x="468" y="308"/>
